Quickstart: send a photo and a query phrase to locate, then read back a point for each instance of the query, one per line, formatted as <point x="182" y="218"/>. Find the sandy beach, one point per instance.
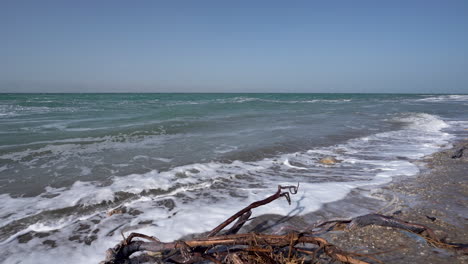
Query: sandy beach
<point x="437" y="198"/>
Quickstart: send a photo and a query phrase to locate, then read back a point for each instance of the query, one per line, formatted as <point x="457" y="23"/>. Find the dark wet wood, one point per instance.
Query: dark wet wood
<point x="235" y="247"/>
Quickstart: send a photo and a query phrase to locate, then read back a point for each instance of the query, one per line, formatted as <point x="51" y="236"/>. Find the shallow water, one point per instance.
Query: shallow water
<point x="181" y="163"/>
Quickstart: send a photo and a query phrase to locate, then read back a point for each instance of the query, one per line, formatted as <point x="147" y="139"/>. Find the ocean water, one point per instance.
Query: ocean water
<point x="176" y="164"/>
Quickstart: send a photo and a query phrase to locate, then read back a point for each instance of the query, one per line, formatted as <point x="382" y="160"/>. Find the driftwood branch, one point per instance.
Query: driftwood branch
<point x="259" y="240"/>
<point x="260" y="248"/>
<point x="278" y="194"/>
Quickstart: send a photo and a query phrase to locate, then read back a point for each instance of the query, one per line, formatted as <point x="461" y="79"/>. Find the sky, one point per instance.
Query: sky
<point x="234" y="46"/>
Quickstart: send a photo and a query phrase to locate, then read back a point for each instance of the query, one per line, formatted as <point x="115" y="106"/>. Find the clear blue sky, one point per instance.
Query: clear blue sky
<point x="234" y="46"/>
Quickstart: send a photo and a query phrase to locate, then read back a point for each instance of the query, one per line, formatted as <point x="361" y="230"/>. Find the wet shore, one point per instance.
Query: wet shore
<point x="437" y="197"/>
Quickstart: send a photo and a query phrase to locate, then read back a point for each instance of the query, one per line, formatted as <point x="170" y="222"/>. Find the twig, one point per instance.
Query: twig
<point x="278" y="194"/>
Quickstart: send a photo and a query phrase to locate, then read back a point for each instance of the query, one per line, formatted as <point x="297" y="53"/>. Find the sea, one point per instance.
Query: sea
<point x="79" y="170"/>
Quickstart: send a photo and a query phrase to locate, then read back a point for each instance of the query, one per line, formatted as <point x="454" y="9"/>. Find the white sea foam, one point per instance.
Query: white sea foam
<point x="445" y="98"/>
<point x="242" y="99"/>
<point x="224" y="148"/>
<point x="249" y="99"/>
<point x="201" y="193"/>
<point x="426" y="122"/>
<point x="75" y="147"/>
<point x="12" y="110"/>
<point x="286" y="162"/>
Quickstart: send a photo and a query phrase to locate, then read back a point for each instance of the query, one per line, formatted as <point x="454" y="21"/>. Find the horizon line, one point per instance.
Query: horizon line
<point x="228" y="93"/>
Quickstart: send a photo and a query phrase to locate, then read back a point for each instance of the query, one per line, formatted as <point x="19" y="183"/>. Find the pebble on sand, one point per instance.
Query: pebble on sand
<point x="328" y="160"/>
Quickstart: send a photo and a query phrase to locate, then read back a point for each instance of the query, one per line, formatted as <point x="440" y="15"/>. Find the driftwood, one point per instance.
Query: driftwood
<point x="230" y="247"/>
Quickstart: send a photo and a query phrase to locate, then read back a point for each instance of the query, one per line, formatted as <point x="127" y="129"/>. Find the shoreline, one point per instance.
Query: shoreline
<point x="436" y="197"/>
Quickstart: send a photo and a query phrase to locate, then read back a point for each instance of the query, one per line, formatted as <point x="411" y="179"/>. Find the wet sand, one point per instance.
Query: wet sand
<point x="437" y="198"/>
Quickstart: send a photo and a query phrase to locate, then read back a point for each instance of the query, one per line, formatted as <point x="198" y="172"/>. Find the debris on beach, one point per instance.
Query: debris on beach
<point x="297" y="246"/>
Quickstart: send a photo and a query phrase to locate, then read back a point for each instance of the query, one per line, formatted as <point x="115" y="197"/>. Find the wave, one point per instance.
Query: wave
<point x="241" y="100"/>
<point x="426" y="122"/>
<point x="421" y="128"/>
<point x="50" y="153"/>
<point x="157" y="201"/>
<point x="445" y="98"/>
<point x="18" y="110"/>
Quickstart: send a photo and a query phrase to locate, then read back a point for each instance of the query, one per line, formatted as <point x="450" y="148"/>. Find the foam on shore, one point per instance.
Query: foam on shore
<point x="195" y="198"/>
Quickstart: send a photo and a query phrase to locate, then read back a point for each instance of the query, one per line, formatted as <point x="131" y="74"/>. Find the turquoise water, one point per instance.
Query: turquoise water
<point x="67" y="159"/>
